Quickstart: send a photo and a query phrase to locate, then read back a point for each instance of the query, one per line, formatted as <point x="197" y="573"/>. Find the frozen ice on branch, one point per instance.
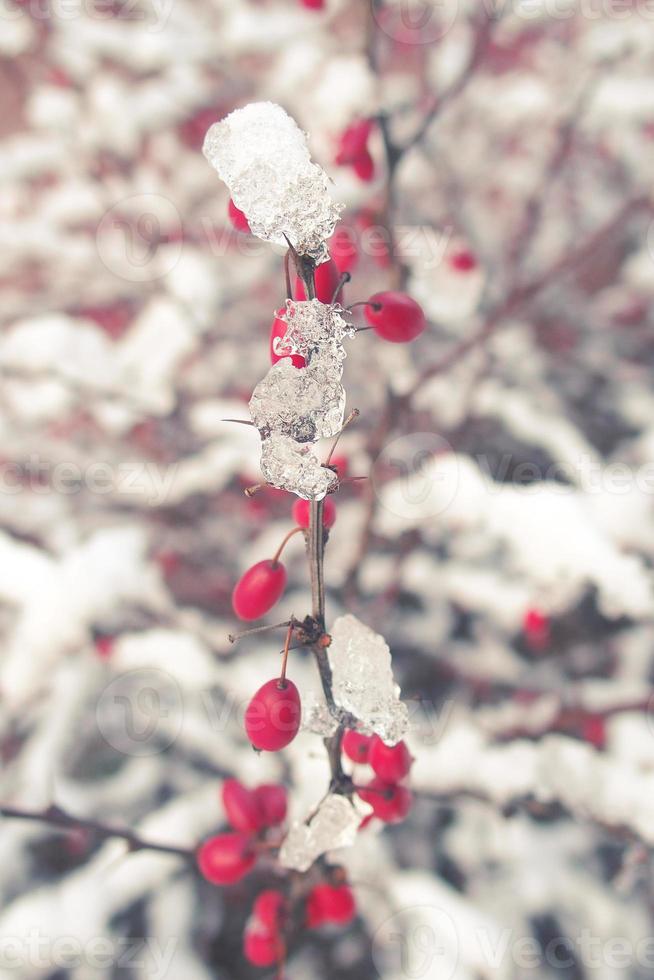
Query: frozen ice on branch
<point x="362" y="679"/>
<point x="263" y="157"/>
<point x="294" y="407"/>
<point x="335" y="824"/>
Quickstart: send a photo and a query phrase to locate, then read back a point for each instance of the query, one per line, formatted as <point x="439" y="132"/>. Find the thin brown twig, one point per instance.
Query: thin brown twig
<point x="56" y="817"/>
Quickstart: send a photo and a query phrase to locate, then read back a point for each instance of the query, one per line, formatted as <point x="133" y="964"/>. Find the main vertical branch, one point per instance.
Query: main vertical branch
<point x="316" y="550"/>
<point x="317" y="560"/>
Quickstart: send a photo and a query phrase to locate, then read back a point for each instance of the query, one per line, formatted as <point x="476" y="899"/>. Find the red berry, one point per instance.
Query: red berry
<point x="593" y="730"/>
<point x="330" y="903"/>
<point x="273" y="716"/>
<point x="104" y="646"/>
<point x="390" y="762"/>
<point x="272" y="800"/>
<point x="353" y="142"/>
<point x="343" y="249"/>
<point x="327" y="278"/>
<point x="242" y="808"/>
<point x="277" y="351"/>
<point x="395" y="316"/>
<point x="269" y="909"/>
<point x="356" y="746"/>
<point x="364" y="167"/>
<point x="237" y="218"/>
<point x="261" y="946"/>
<point x="390" y="802"/>
<point x="313" y="4"/>
<point x="536" y="626"/>
<point x="258" y="589"/>
<point x="226" y="858"/>
<point x="302" y="509"/>
<point x="463" y="261"/>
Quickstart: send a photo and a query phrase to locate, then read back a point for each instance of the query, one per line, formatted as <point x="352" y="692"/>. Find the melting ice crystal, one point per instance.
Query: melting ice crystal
<point x="362" y="679"/>
<point x="335" y="824"/>
<point x="294" y="407"/>
<point x="263" y="157"/>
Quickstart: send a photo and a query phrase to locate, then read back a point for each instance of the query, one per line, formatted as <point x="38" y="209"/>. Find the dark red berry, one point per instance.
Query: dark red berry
<point x="389" y="802"/>
<point x="395" y="316"/>
<point x="593" y="730"/>
<point x="536" y="627"/>
<point x="273" y="716"/>
<point x="330" y="903"/>
<point x="353" y="142"/>
<point x="261" y="946"/>
<point x="104" y="646"/>
<point x="463" y="261"/>
<point x="356" y="746"/>
<point x="327" y="278"/>
<point x="302" y="510"/>
<point x="226" y="858"/>
<point x="343" y="249"/>
<point x="364" y="167"/>
<point x="390" y="762"/>
<point x="269" y="909"/>
<point x="272" y="800"/>
<point x="258" y="589"/>
<point x="237" y="218"/>
<point x="242" y="808"/>
<point x="277" y="349"/>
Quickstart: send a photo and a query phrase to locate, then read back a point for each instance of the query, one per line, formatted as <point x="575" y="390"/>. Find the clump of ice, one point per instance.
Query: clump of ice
<point x="295" y="407"/>
<point x="306" y="404"/>
<point x="290" y="465"/>
<point x="315" y="329"/>
<point x="362" y="679"/>
<point x="263" y="157"/>
<point x="335" y="824"/>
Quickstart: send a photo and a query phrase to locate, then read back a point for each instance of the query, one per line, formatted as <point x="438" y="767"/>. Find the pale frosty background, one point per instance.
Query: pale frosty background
<point x="116" y="352"/>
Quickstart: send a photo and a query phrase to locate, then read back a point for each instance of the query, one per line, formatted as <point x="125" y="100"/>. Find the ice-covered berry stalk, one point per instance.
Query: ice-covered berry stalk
<point x="282" y="197"/>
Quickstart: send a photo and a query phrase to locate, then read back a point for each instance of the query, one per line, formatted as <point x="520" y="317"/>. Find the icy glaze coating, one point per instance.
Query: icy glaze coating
<point x="362" y="679"/>
<point x="263" y="157"/>
<point x="335" y="824"/>
<point x="294" y="407"/>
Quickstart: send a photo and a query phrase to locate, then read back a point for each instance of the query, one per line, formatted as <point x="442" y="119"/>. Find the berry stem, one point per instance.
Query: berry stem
<point x="287" y="644"/>
<point x="287" y="538"/>
<point x="364" y="302"/>
<point x="345" y="278"/>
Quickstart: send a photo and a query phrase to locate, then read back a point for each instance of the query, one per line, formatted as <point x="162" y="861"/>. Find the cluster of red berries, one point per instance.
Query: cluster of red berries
<point x="389" y="798"/>
<point x="263" y="940"/>
<point x="273" y="716"/>
<point x="262" y="585"/>
<point x="353" y="149"/>
<point x="226" y="858"/>
<point x="393" y="315"/>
